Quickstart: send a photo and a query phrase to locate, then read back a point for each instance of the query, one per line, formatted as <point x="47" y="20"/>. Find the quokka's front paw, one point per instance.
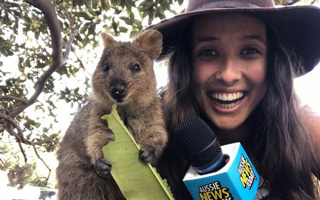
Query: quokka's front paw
<point x="147" y="154"/>
<point x="103" y="167"/>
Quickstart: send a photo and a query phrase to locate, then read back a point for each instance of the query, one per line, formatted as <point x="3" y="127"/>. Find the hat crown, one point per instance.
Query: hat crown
<point x="196" y="5"/>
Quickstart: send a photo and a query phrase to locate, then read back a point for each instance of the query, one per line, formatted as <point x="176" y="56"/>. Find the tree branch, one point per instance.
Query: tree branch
<point x="39" y="157"/>
<point x="20" y="139"/>
<point x="46" y="140"/>
<point x="68" y="45"/>
<point x="23" y="152"/>
<point x="50" y="15"/>
<point x="19" y="135"/>
<point x="81" y="63"/>
<point x="58" y="57"/>
<point x="9" y="97"/>
<point x="313" y="2"/>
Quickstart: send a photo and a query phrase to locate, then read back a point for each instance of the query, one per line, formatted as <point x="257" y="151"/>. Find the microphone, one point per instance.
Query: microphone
<point x="216" y="172"/>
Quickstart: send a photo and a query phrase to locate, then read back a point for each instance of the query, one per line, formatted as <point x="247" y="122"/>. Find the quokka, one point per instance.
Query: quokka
<point x="124" y="76"/>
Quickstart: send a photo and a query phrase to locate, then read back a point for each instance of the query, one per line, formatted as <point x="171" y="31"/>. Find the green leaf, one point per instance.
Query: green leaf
<point x="135" y="179"/>
<point x="128" y="5"/>
<point x="82" y="14"/>
<point x="123" y="29"/>
<point x="95" y="4"/>
<point x="105" y="4"/>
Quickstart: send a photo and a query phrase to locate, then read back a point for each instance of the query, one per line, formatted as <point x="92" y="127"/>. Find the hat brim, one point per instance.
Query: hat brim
<point x="298" y="28"/>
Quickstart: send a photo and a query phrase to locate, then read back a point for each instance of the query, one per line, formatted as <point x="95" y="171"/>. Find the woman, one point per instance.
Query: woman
<point x="232" y="63"/>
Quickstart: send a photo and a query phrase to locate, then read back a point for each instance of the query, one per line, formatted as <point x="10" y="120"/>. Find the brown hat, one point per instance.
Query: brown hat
<point x="298" y="27"/>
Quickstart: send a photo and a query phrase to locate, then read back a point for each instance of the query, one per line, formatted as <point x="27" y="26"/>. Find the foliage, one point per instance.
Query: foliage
<point x="19" y="174"/>
<point x="47" y="49"/>
<point x="42" y="67"/>
<point x="290" y="2"/>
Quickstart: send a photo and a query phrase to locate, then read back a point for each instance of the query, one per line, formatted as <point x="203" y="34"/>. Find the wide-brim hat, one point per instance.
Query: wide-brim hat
<point x="298" y="27"/>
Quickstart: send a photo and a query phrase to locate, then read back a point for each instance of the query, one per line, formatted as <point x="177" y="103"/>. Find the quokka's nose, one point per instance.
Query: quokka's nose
<point x="118" y="90"/>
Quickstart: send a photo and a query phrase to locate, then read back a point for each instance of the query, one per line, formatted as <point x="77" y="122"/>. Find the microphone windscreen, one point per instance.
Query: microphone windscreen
<point x="197" y="141"/>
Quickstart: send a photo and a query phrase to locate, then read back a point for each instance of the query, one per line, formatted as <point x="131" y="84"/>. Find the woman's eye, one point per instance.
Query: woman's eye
<point x="208" y="52"/>
<point x="106" y="67"/>
<point x="136" y="68"/>
<point x="250" y="51"/>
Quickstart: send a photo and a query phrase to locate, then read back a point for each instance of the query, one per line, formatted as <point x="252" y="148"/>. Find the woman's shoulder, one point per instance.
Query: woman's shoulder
<point x="311" y="121"/>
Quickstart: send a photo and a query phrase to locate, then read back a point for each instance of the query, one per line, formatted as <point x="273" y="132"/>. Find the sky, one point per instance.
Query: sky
<point x="308" y="89"/>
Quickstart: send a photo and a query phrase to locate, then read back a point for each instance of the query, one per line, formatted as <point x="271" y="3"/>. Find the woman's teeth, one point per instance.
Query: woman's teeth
<point x="227" y="96"/>
<point x="227" y="100"/>
<point x="227" y="106"/>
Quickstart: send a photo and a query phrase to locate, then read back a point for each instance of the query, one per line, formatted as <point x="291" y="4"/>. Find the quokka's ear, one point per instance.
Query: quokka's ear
<point x="107" y="39"/>
<point x="151" y="42"/>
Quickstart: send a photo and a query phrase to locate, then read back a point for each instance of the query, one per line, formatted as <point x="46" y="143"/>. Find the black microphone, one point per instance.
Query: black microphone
<point x="199" y="145"/>
<point x="216" y="172"/>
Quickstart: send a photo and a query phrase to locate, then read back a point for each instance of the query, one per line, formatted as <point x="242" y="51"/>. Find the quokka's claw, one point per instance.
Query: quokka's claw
<point x="103" y="167"/>
<point x="147" y="154"/>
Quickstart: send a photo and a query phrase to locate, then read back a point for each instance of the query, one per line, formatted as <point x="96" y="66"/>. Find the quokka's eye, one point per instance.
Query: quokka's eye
<point x="106" y="67"/>
<point x="136" y="68"/>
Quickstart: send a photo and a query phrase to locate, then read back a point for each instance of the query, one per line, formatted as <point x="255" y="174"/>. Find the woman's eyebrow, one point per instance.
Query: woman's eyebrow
<point x="260" y="38"/>
<point x="206" y="39"/>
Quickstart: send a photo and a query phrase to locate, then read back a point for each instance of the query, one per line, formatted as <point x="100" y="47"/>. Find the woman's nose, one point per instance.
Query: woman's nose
<point x="229" y="72"/>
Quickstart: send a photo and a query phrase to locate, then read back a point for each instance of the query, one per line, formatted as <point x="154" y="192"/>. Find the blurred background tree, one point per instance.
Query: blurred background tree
<point x="47" y="50"/>
<point x="41" y="70"/>
<point x="290" y="2"/>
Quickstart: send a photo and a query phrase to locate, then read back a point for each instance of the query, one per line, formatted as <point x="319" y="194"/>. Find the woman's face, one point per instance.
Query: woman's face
<point x="229" y="66"/>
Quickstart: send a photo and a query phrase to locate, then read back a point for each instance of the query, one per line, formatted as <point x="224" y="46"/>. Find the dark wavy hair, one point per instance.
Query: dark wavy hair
<point x="282" y="151"/>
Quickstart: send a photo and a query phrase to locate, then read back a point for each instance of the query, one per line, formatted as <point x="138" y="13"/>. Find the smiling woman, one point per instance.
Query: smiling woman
<point x="233" y="63"/>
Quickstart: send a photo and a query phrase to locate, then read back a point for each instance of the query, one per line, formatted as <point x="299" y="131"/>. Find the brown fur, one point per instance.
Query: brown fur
<point x="139" y="108"/>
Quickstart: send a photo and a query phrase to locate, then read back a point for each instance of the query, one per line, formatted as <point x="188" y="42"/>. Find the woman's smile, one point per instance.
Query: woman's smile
<point x="226" y="100"/>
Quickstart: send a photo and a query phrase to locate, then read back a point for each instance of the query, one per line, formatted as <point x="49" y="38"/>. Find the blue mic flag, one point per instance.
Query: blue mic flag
<point x="238" y="179"/>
